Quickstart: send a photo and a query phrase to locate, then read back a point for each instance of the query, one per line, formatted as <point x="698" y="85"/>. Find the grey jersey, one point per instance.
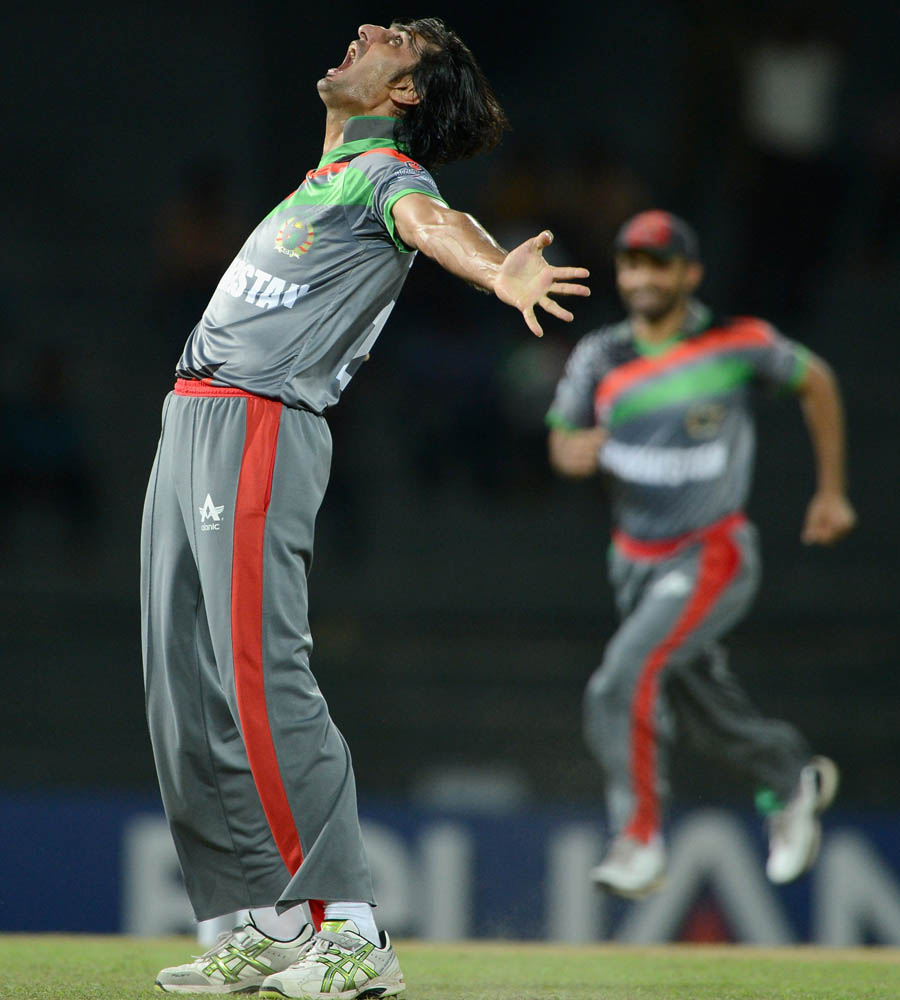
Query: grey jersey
<point x="681" y="440"/>
<point x="300" y="307"/>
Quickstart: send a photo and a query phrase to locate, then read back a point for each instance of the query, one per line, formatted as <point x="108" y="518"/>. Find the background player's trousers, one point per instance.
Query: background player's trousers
<point x="256" y="780"/>
<point x="663" y="672"/>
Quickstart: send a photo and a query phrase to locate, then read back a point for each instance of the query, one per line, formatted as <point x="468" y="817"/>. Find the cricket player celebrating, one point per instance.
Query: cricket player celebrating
<point x="256" y="780"/>
<point x="660" y="405"/>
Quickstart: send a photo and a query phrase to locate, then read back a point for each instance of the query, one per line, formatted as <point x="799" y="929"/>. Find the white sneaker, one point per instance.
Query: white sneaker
<point x="630" y="868"/>
<point x="794" y="831"/>
<point x="341" y="963"/>
<point x="238" y="962"/>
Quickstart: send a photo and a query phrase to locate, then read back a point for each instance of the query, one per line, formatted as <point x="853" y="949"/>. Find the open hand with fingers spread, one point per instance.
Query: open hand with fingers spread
<point x="525" y="280"/>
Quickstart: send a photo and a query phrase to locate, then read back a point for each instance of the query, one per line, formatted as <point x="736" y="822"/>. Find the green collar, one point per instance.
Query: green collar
<point x="698" y="319"/>
<point x="362" y="133"/>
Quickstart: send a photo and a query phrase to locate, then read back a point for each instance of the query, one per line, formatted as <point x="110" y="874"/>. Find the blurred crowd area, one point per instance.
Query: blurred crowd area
<point x="453" y="572"/>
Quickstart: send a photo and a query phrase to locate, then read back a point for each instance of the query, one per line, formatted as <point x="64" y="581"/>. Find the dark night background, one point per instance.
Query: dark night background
<point x="458" y="599"/>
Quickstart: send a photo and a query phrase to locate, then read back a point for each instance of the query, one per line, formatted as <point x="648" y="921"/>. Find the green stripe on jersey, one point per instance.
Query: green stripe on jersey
<point x="389" y="213"/>
<point x="355" y="148"/>
<point x="652" y="349"/>
<point x="553" y="419"/>
<point x="350" y="187"/>
<point x="707" y="379"/>
<point x="801" y="367"/>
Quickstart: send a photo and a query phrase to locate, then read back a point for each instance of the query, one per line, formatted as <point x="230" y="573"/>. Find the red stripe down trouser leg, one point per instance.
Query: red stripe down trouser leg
<point x="254" y="488"/>
<point x="719" y="563"/>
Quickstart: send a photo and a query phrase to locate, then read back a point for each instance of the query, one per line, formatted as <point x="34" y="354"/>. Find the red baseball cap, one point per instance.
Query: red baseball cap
<point x="659" y="233"/>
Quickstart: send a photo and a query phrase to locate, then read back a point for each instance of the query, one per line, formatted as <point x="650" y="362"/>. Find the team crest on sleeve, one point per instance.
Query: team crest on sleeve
<point x="295" y="237"/>
<point x="410" y="169"/>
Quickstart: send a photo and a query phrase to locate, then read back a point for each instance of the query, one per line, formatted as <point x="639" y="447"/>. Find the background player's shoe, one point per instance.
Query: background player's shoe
<point x="630" y="868"/>
<point x="237" y="963"/>
<point x="340" y="964"/>
<point x="795" y="831"/>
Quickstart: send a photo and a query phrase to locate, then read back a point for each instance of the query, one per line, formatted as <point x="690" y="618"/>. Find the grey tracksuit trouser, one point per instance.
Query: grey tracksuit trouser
<point x="256" y="780"/>
<point x="663" y="671"/>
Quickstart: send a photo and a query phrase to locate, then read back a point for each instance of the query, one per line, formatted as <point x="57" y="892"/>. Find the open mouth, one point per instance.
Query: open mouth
<point x="349" y="60"/>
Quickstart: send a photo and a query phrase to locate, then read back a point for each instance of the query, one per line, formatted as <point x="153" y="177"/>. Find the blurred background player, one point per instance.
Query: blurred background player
<point x="660" y="404"/>
<point x="256" y="780"/>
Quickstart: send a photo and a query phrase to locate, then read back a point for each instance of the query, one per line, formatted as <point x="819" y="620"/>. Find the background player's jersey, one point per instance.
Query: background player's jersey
<point x="681" y="439"/>
<point x="305" y="299"/>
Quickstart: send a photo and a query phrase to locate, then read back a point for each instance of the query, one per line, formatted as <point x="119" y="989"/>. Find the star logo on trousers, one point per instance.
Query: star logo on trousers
<point x="210" y="511"/>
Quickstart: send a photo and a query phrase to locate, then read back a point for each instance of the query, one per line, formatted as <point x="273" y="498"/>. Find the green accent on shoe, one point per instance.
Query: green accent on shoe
<point x="345" y="964"/>
<point x="767" y="802"/>
<point x="236" y="959"/>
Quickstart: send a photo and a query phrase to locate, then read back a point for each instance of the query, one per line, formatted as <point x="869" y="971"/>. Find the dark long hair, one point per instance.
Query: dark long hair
<point x="457" y="115"/>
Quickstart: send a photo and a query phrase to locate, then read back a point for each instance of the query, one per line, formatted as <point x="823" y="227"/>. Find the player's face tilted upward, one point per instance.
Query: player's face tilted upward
<point x="375" y="72"/>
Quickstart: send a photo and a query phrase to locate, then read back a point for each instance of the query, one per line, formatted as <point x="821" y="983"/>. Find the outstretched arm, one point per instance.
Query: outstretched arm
<point x="829" y="515"/>
<point x="521" y="278"/>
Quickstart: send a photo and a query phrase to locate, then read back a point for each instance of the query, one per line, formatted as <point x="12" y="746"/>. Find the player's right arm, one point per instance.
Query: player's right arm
<point x="575" y="437"/>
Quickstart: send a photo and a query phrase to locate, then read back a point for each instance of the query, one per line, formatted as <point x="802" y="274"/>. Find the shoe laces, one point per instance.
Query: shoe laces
<point x="224" y="938"/>
<point x="333" y="942"/>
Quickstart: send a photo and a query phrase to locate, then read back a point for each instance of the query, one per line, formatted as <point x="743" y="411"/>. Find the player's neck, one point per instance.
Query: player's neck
<point x="657" y="331"/>
<point x="335" y="120"/>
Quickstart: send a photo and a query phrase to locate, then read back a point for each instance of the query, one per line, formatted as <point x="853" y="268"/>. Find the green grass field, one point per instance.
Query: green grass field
<point x="50" y="967"/>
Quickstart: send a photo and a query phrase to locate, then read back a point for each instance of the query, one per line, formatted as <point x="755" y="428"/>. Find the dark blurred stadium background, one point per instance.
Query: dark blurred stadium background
<point x="458" y="598"/>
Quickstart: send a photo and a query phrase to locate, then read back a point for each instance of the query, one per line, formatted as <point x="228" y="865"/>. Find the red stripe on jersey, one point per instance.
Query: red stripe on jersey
<point x="390" y="151"/>
<point x="720" y="560"/>
<point x="335" y="168"/>
<point x="331" y="168"/>
<point x="742" y="333"/>
<point x="250" y="510"/>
